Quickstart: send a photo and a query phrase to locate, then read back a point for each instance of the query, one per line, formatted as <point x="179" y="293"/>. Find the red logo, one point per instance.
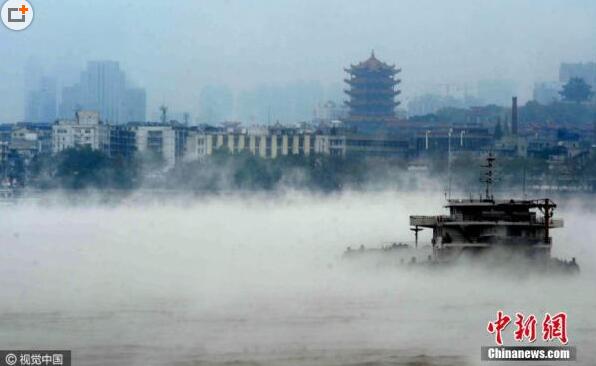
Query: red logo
<point x="499" y="325"/>
<point x="525" y="328"/>
<point x="553" y="327"/>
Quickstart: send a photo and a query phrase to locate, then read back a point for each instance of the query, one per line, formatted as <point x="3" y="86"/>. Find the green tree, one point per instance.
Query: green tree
<point x="86" y="168"/>
<point x="576" y="90"/>
<point x="80" y="168"/>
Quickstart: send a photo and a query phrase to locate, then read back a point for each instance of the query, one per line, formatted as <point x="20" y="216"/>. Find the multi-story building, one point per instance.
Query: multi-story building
<point x="23" y="149"/>
<point x="103" y="88"/>
<point x="123" y="142"/>
<point x="5" y="132"/>
<point x="166" y="141"/>
<point x="133" y="105"/>
<point x="266" y="145"/>
<point x="445" y="140"/>
<point x="3" y="156"/>
<point x="155" y="140"/>
<point x="86" y="130"/>
<point x="38" y="135"/>
<point x="198" y="145"/>
<point x="181" y="136"/>
<point x="375" y="146"/>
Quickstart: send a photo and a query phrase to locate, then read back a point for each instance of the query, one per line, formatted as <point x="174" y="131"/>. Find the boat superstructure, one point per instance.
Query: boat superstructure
<point x="502" y="230"/>
<point x="473" y="226"/>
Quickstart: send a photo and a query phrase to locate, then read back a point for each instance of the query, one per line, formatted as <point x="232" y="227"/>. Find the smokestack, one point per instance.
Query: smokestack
<point x="514" y="116"/>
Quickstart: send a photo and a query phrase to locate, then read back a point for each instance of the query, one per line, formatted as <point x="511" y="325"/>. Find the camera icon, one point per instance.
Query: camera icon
<point x="17" y="14"/>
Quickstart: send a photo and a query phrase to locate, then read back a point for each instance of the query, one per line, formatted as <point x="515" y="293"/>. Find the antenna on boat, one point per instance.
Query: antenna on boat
<point x="489" y="177"/>
<point x="547" y="207"/>
<point x="524" y="182"/>
<point x="416" y="229"/>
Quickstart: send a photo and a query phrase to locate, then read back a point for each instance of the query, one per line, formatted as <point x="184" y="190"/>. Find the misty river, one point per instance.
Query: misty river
<point x="259" y="280"/>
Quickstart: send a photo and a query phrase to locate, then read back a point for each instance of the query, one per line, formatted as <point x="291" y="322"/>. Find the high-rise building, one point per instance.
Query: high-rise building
<point x="135" y="102"/>
<point x="103" y="88"/>
<point x="40" y="101"/>
<point x="373" y="88"/>
<point x="71" y="102"/>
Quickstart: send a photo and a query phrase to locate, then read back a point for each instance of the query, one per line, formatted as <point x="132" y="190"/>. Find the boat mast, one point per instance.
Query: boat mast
<point x="548" y="214"/>
<point x="489" y="176"/>
<point x="547" y="208"/>
<point x="416" y="229"/>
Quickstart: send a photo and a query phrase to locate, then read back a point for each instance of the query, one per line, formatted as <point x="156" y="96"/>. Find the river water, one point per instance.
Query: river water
<point x="259" y="280"/>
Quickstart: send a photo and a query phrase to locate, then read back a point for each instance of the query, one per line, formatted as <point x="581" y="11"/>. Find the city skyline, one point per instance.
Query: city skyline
<point x="104" y="87"/>
<point x="217" y="103"/>
<point x="250" y="47"/>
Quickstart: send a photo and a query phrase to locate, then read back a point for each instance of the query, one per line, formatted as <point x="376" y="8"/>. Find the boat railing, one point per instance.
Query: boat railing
<point x="553" y="223"/>
<point x="418" y="220"/>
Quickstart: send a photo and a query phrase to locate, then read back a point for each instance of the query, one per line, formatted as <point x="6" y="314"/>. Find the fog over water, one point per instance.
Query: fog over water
<point x="259" y="280"/>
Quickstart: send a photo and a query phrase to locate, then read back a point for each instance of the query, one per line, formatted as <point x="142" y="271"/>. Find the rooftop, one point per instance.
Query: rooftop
<point x="372" y="63"/>
<point x="491" y="202"/>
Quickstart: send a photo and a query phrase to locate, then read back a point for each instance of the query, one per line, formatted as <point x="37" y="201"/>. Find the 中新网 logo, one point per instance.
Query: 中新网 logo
<point x="553" y="327"/>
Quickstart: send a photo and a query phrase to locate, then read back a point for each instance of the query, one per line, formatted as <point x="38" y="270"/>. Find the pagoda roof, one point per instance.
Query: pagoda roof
<point x="379" y="92"/>
<point x="373" y="63"/>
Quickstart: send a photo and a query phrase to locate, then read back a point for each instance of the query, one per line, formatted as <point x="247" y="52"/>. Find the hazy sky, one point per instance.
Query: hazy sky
<point x="174" y="48"/>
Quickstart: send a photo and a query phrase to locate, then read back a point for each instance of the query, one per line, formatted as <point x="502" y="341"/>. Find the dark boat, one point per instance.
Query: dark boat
<point x="486" y="231"/>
